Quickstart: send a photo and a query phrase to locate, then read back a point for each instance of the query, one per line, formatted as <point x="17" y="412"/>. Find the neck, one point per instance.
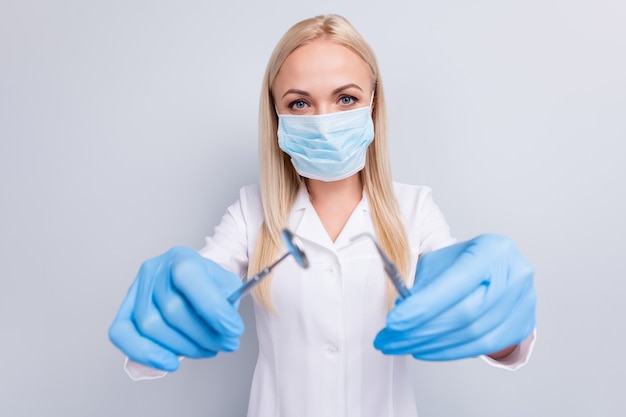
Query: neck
<point x="322" y="192"/>
<point x="335" y="201"/>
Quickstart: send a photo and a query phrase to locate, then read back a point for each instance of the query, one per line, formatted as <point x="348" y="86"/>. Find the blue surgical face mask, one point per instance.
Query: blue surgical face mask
<point x="327" y="147"/>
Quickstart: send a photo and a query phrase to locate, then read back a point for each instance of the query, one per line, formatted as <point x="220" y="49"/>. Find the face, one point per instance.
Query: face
<point x="322" y="77"/>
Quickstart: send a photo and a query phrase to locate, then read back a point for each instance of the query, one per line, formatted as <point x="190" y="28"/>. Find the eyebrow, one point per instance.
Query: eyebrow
<point x="307" y="94"/>
<point x="345" y="87"/>
<point x="294" y="91"/>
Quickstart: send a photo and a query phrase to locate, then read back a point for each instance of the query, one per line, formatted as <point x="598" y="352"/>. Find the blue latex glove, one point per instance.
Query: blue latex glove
<point x="177" y="306"/>
<point x="471" y="298"/>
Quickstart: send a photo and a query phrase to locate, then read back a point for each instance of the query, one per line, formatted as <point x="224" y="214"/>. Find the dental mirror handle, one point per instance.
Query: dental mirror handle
<point x="254" y="281"/>
<point x="390" y="267"/>
<point x="396" y="279"/>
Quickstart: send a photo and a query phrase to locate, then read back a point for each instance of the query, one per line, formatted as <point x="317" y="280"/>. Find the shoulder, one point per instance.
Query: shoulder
<point x="403" y="188"/>
<point x="425" y="223"/>
<point x="411" y="196"/>
<point x="250" y="199"/>
<point x="250" y="193"/>
<point x="416" y="204"/>
<point x="248" y="208"/>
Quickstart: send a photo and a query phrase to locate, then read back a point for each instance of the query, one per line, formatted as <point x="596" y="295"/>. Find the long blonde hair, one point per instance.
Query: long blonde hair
<point x="280" y="182"/>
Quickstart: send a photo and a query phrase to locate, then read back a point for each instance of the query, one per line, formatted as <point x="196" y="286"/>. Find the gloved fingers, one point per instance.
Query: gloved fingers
<point x="124" y="335"/>
<point x="466" y="270"/>
<point x="201" y="283"/>
<point x="395" y="342"/>
<point x="459" y="279"/>
<point x="462" y="314"/>
<point x="443" y="338"/>
<point x="227" y="281"/>
<point x="150" y="324"/>
<point x="459" y="325"/>
<point x="420" y="309"/>
<point x="179" y="315"/>
<point x="511" y="332"/>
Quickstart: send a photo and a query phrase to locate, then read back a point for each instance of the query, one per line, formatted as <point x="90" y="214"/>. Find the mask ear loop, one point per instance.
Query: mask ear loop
<point x="372" y="102"/>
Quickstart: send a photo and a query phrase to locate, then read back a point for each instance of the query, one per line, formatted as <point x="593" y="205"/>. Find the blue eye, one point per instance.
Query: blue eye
<point x="297" y="104"/>
<point x="347" y="100"/>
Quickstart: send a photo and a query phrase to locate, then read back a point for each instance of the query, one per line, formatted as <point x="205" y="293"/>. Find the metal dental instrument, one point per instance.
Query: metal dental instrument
<point x="294" y="248"/>
<point x="390" y="268"/>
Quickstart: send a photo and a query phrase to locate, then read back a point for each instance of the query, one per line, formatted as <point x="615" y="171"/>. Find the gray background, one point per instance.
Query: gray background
<point x="128" y="126"/>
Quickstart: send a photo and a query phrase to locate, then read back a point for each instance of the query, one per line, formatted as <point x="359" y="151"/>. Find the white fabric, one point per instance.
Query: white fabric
<point x="316" y="357"/>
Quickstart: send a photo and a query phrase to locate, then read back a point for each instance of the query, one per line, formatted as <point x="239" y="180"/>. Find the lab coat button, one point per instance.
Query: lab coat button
<point x="331" y="349"/>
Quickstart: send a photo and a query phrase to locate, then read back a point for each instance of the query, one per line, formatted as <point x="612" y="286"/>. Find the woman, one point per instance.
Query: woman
<point x="331" y="341"/>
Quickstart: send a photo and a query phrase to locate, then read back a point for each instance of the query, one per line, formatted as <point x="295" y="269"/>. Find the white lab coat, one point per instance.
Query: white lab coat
<point x="316" y="357"/>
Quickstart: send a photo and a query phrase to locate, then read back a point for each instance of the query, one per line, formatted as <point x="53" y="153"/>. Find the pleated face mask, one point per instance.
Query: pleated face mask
<point x="327" y="147"/>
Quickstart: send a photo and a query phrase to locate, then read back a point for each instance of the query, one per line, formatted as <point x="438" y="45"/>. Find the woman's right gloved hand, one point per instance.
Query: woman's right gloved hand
<point x="177" y="306"/>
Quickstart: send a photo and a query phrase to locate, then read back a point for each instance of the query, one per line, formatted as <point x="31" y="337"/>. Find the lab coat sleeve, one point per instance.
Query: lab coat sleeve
<point x="229" y="247"/>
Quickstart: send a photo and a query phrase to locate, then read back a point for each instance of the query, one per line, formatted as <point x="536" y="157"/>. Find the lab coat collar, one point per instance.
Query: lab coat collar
<point x="304" y="222"/>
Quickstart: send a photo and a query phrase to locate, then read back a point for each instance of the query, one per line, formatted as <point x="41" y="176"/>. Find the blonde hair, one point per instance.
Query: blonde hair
<point x="280" y="182"/>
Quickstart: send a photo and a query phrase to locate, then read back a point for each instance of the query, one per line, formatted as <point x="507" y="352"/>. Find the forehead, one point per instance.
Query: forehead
<point x="322" y="63"/>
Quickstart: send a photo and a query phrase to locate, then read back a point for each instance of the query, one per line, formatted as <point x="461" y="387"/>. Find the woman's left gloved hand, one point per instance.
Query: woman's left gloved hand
<point x="471" y="298"/>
